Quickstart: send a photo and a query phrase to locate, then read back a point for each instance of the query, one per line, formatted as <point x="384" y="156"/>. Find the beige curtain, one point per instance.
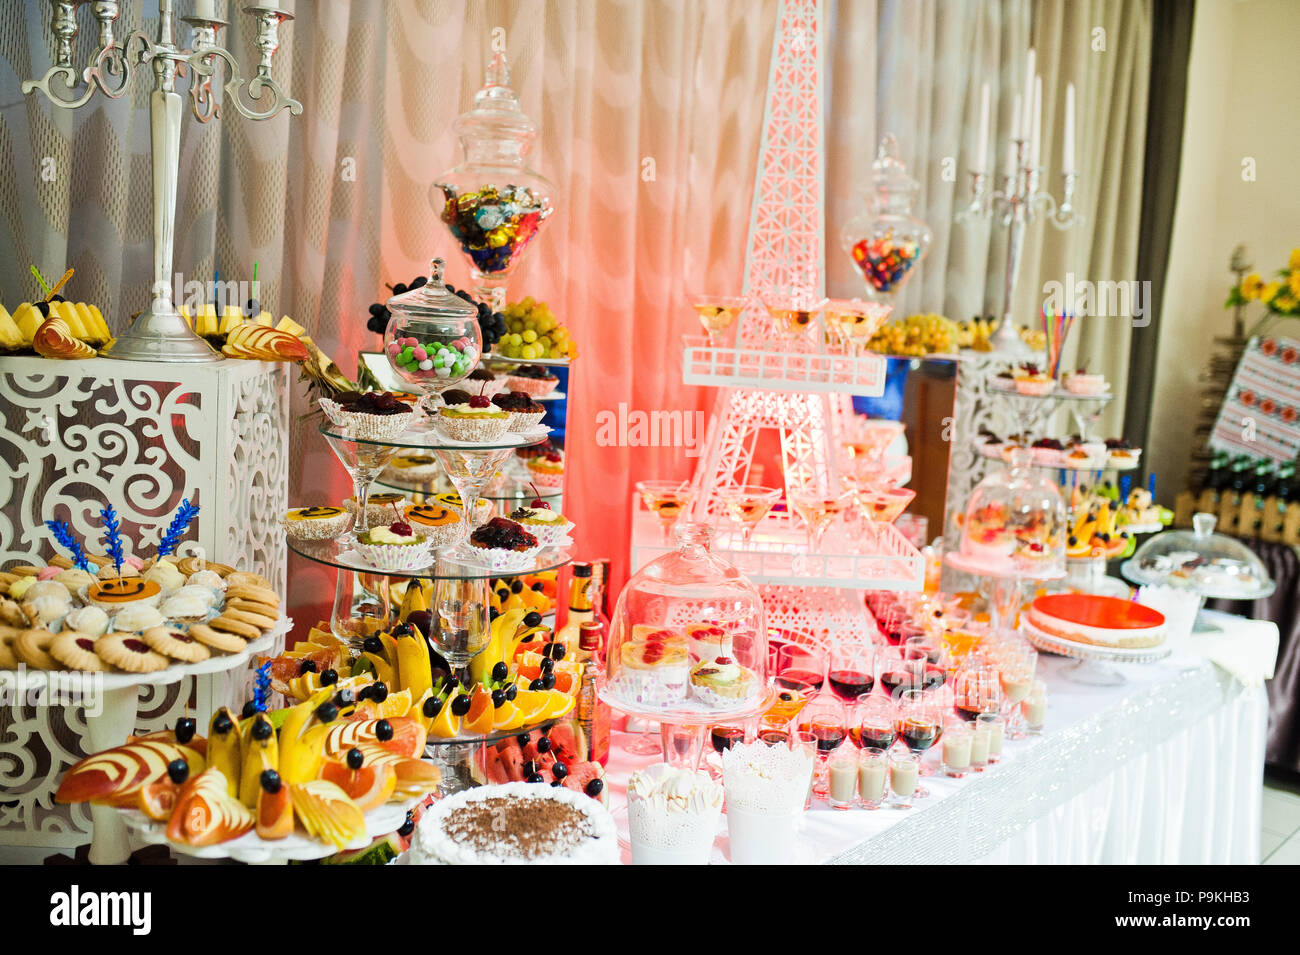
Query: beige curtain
<point x="650" y="114"/>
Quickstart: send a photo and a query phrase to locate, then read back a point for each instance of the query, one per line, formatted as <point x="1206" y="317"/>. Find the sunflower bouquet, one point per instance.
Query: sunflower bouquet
<point x="1281" y="296"/>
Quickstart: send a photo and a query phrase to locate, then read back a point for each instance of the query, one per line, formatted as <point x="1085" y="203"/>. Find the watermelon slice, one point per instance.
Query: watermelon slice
<point x="580" y="774"/>
<point x="380" y="852"/>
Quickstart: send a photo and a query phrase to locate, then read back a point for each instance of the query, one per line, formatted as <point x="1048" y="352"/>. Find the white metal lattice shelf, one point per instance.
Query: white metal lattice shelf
<point x="883" y="559"/>
<point x="811" y="371"/>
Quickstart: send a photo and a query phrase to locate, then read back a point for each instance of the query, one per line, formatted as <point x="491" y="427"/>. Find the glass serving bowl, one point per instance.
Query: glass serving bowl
<point x="688" y="638"/>
<point x="492" y="204"/>
<point x="1212" y="565"/>
<point x="433" y="338"/>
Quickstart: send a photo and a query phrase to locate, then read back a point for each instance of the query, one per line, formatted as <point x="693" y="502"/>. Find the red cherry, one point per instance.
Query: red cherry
<point x="480" y="400"/>
<point x="537" y="501"/>
<point x="723" y="661"/>
<point x="401" y="528"/>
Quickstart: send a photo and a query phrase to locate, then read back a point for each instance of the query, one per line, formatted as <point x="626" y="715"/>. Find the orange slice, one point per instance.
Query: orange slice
<point x="503" y="718"/>
<point x="479" y="719"/>
<point x="395" y="704"/>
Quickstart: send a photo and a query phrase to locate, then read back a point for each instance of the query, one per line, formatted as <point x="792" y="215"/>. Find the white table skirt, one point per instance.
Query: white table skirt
<point x="1167" y="768"/>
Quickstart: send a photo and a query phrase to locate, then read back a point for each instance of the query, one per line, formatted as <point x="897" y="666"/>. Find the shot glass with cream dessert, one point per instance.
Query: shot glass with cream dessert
<point x="955" y="748"/>
<point x="995" y="726"/>
<point x="873" y="777"/>
<point x="843" y="782"/>
<point x="1034" y="708"/>
<point x="904" y="768"/>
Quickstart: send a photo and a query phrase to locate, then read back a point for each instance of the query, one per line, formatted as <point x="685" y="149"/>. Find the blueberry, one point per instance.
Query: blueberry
<point x="512" y="691"/>
<point x="517" y="586"/>
<point x="379" y="692"/>
<point x="329" y="676"/>
<point x="345" y="697"/>
<point x="536" y="685"/>
<point x="548" y="665"/>
<point x="460" y="706"/>
<point x="307" y="666"/>
<point x="403" y="630"/>
<point x="595" y="788"/>
<point x="355" y="759"/>
<point x="493" y="613"/>
<point x="223" y="724"/>
<point x="262" y="729"/>
<point x="383" y="731"/>
<point x="431" y="707"/>
<point x="178" y="771"/>
<point x="185" y="729"/>
<point x="544" y="744"/>
<point x="548" y="681"/>
<point x="556" y="651"/>
<point x="557" y="784"/>
<point x="270" y="781"/>
<point x="498" y="698"/>
<point x="532" y="618"/>
<point x="500" y="671"/>
<point x="535" y="778"/>
<point x="530" y="767"/>
<point x="559" y="770"/>
<point x="250" y="710"/>
<point x="327" y="712"/>
<point x="523" y="739"/>
<point x="408" y="826"/>
<point x="373" y="645"/>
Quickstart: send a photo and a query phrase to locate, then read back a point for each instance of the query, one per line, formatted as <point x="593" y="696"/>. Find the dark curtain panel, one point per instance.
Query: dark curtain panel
<point x="1171" y="42"/>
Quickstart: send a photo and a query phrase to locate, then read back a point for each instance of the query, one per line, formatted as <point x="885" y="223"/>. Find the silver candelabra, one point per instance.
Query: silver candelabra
<point x="1017" y="204"/>
<point x="161" y="333"/>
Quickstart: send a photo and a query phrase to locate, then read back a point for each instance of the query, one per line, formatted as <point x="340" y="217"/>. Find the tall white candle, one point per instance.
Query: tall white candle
<point x="206" y="9"/>
<point x="1067" y="159"/>
<point x="1011" y="159"/>
<point x="1016" y="117"/>
<point x="1026" y="123"/>
<point x="982" y="147"/>
<point x="1037" y="138"/>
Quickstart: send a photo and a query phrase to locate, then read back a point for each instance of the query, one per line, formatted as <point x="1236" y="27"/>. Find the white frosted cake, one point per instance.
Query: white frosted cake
<point x="516" y="824"/>
<point x="1098" y="620"/>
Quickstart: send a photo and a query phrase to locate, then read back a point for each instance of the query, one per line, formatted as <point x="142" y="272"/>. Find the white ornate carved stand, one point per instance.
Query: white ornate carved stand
<point x="143" y="435"/>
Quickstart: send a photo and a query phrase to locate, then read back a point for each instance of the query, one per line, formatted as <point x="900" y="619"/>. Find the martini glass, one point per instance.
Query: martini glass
<point x="792" y="315"/>
<point x="819" y="508"/>
<point x="667" y="499"/>
<point x="364" y="461"/>
<point x="717" y="315"/>
<point x="854" y="321"/>
<point x="470" y="471"/>
<point x="748" y="505"/>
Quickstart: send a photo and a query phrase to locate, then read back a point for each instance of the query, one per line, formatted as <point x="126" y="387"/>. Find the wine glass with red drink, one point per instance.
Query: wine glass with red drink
<point x="852" y="671"/>
<point x="872" y="723"/>
<point x="824" y="718"/>
<point x="800" y="668"/>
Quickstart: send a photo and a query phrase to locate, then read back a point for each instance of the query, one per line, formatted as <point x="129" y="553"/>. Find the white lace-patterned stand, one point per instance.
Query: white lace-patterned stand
<point x="141" y="435"/>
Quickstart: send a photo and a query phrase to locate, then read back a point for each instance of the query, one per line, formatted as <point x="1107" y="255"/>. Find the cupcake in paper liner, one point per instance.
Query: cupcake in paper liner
<point x="722" y="683"/>
<point x="381" y="508"/>
<point x="441" y="524"/>
<point x="550" y="527"/>
<point x="533" y="379"/>
<point x="548" y="470"/>
<point x="372" y="416"/>
<point x="386" y="549"/>
<point x="473" y="424"/>
<point x="525" y="413"/>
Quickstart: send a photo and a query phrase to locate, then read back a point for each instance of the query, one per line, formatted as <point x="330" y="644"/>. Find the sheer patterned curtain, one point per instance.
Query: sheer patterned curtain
<point x="650" y="114"/>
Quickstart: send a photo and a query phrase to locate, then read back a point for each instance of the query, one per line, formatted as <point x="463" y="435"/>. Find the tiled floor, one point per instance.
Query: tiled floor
<point x="1280" y="839"/>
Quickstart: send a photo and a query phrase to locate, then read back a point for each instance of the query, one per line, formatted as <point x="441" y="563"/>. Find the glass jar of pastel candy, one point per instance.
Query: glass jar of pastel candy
<point x="433" y="338"/>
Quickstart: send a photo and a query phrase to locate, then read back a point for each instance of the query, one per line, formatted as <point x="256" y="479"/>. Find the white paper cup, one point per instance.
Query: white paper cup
<point x="762" y="838"/>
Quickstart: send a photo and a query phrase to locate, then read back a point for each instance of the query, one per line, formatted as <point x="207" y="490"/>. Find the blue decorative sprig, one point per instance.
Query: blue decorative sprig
<point x="63" y="534"/>
<point x="262" y="687"/>
<point x="176" y="529"/>
<point x="113" y="537"/>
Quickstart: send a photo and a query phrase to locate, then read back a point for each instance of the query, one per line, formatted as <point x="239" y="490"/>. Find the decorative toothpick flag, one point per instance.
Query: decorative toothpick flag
<point x="176" y="529"/>
<point x="63" y="534"/>
<point x="262" y="687"/>
<point x="113" y="537"/>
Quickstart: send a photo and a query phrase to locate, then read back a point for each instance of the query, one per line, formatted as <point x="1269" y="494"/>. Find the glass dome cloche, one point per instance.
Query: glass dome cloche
<point x="1015" y="524"/>
<point x="887" y="242"/>
<point x="492" y="204"/>
<point x="688" y="639"/>
<point x="433" y="339"/>
<point x="1213" y="565"/>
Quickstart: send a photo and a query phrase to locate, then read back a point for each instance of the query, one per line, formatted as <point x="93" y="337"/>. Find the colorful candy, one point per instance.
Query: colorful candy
<point x="454" y="359"/>
<point x="884" y="261"/>
<point x="493" y="225"/>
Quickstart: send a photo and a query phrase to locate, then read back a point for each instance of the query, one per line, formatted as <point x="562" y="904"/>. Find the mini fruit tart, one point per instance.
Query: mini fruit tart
<point x="441" y="524"/>
<point x="474" y="421"/>
<point x="548" y="526"/>
<point x="379" y="507"/>
<point x="395" y="547"/>
<point x="504" y="545"/>
<point x="317" y="522"/>
<point x="547" y="471"/>
<point x="533" y="379"/>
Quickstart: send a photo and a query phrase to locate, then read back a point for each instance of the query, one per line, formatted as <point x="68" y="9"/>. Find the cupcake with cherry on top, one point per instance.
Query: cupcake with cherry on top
<point x="549" y="526"/>
<point x="474" y="421"/>
<point x="396" y="547"/>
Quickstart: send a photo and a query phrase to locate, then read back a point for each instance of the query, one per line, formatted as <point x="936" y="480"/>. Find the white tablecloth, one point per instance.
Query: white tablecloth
<point x="1167" y="768"/>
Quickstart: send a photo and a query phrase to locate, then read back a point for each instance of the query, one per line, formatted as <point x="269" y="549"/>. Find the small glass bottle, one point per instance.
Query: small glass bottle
<point x="593" y="713"/>
<point x="581" y="608"/>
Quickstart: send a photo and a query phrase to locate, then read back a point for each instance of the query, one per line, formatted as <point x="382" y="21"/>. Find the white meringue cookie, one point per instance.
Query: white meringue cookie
<point x="88" y="620"/>
<point x="136" y="618"/>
